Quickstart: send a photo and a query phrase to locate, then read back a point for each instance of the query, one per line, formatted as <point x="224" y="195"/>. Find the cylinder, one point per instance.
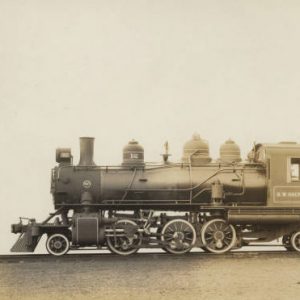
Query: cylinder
<point x="86" y="152"/>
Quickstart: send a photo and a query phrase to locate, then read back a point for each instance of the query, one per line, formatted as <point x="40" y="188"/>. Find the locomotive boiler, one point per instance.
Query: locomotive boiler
<point x="216" y="205"/>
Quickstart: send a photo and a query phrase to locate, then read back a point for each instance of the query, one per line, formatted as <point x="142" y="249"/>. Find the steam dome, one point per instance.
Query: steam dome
<point x="196" y="151"/>
<point x="230" y="152"/>
<point x="133" y="155"/>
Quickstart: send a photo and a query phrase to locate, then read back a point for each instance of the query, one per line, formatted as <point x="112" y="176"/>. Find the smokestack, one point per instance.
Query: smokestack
<point x="86" y="152"/>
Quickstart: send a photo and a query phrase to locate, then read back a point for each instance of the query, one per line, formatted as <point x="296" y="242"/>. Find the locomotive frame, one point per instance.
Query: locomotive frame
<point x="235" y="204"/>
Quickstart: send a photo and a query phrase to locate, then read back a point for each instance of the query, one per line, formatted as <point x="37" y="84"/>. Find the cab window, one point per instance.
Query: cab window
<point x="295" y="169"/>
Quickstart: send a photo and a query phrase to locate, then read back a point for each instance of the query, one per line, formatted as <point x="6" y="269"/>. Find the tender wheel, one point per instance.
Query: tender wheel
<point x="57" y="244"/>
<point x="179" y="235"/>
<point x="124" y="238"/>
<point x="218" y="236"/>
<point x="295" y="241"/>
<point x="286" y="241"/>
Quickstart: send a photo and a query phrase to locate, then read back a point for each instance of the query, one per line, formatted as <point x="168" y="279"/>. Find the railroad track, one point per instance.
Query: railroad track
<point x="140" y="256"/>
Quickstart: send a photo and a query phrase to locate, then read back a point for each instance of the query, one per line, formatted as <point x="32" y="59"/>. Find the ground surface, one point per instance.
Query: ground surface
<point x="152" y="276"/>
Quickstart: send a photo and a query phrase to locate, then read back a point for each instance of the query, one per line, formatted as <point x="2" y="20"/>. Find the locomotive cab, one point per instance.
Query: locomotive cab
<point x="283" y="174"/>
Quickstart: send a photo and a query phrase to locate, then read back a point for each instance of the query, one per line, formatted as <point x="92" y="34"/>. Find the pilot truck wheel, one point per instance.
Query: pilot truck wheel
<point x="57" y="244"/>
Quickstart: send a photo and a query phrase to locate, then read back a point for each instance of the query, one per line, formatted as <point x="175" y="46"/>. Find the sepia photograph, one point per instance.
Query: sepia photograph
<point x="149" y="149"/>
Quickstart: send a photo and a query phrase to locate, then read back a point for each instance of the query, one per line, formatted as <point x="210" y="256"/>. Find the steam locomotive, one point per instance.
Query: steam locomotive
<point x="214" y="205"/>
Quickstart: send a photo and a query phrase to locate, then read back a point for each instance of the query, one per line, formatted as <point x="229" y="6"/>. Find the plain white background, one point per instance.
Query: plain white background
<point x="149" y="70"/>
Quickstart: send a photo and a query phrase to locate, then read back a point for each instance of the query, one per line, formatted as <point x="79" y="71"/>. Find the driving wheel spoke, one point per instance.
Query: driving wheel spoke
<point x="182" y="238"/>
<point x="218" y="236"/>
<point x="124" y="244"/>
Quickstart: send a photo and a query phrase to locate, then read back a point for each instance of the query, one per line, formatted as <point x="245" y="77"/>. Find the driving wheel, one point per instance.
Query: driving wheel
<point x="218" y="236"/>
<point x="124" y="238"/>
<point x="179" y="236"/>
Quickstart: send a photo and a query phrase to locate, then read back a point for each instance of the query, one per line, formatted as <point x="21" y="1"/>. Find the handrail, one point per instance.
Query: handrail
<point x="183" y="189"/>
